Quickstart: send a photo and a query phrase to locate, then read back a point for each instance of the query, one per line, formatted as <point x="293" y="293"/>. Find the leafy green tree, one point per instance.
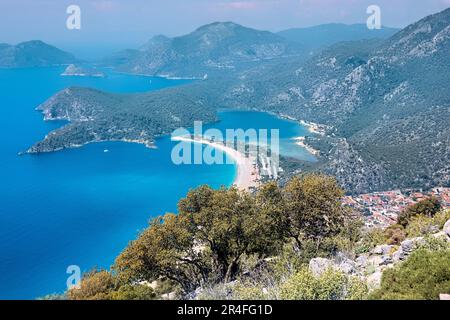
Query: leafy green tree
<point x="229" y="224"/>
<point x="165" y="249"/>
<point x="424" y="276"/>
<point x="314" y="209"/>
<point x="428" y="207"/>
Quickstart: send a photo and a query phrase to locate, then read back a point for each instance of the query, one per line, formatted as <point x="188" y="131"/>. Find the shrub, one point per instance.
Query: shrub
<point x="133" y="292"/>
<point x="395" y="234"/>
<point x="370" y="239"/>
<point x="331" y="285"/>
<point x="428" y="207"/>
<point x="95" y="285"/>
<point x="424" y="275"/>
<point x="423" y="225"/>
<point x="242" y="292"/>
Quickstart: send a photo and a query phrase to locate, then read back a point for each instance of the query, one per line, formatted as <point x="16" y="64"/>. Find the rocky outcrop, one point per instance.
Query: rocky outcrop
<point x="447" y="228"/>
<point x="370" y="266"/>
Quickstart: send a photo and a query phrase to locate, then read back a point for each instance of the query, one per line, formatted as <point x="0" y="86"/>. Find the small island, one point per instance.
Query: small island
<point x="79" y="71"/>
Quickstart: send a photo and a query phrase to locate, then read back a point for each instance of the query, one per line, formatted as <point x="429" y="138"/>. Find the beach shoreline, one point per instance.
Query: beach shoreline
<point x="301" y="141"/>
<point x="247" y="176"/>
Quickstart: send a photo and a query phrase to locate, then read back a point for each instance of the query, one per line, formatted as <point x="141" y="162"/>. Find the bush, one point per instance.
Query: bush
<point x="331" y="285"/>
<point x="370" y="239"/>
<point x="242" y="292"/>
<point x="395" y="234"/>
<point x="133" y="292"/>
<point x="424" y="276"/>
<point x="423" y="225"/>
<point x="95" y="285"/>
<point x="428" y="207"/>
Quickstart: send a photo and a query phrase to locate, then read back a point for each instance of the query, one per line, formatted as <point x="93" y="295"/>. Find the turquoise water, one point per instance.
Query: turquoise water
<point x="82" y="206"/>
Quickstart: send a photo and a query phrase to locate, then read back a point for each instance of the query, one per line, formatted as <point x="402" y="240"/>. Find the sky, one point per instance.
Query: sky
<point x="113" y="24"/>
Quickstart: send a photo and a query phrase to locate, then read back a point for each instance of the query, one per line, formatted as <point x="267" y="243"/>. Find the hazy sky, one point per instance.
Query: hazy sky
<point x="131" y="22"/>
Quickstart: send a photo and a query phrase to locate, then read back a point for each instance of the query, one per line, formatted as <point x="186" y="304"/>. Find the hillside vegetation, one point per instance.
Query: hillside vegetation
<point x="295" y="242"/>
<point x="33" y="54"/>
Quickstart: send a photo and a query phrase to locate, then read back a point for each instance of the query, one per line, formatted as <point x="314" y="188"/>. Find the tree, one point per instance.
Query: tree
<point x="165" y="249"/>
<point x="95" y="285"/>
<point x="428" y="207"/>
<point x="314" y="209"/>
<point x="205" y="242"/>
<point x="229" y="224"/>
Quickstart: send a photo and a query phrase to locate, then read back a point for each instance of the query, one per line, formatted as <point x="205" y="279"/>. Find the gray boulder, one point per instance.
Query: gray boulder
<point x="410" y="245"/>
<point x="374" y="280"/>
<point x="362" y="261"/>
<point x="319" y="265"/>
<point x="447" y="228"/>
<point x="382" y="249"/>
<point x="347" y="266"/>
<point x="385" y="260"/>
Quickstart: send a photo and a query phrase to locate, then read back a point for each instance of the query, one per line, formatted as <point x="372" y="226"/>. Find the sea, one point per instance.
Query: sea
<point x="81" y="207"/>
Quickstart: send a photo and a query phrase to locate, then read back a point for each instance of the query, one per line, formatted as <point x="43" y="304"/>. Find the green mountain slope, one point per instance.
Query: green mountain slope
<point x="33" y="54"/>
<point x="213" y="48"/>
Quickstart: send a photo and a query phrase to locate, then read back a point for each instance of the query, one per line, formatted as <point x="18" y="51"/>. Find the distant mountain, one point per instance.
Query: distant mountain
<point x="33" y="54"/>
<point x="119" y="58"/>
<point x="386" y="104"/>
<point x="328" y="34"/>
<point x="212" y="48"/>
<point x="387" y="101"/>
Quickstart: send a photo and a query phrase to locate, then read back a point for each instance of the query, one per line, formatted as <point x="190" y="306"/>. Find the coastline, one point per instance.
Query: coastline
<point x="301" y="141"/>
<point x="247" y="176"/>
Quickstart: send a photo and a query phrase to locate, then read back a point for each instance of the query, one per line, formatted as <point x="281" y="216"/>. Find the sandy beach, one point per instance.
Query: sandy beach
<point x="301" y="141"/>
<point x="247" y="172"/>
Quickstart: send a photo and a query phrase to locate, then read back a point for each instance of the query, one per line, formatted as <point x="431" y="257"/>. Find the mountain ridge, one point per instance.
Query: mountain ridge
<point x="325" y="35"/>
<point x="212" y="48"/>
<point x="386" y="104"/>
<point x="34" y="53"/>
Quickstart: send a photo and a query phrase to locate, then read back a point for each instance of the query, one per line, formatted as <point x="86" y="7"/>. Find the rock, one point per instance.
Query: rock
<point x="374" y="261"/>
<point x="347" y="266"/>
<point x="362" y="261"/>
<point x="374" y="280"/>
<point x="319" y="265"/>
<point x="410" y="245"/>
<point x="407" y="247"/>
<point x="434" y="229"/>
<point x="169" y="296"/>
<point x="396" y="257"/>
<point x="444" y="296"/>
<point x="382" y="249"/>
<point x="447" y="228"/>
<point x="385" y="260"/>
<point x="442" y="235"/>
